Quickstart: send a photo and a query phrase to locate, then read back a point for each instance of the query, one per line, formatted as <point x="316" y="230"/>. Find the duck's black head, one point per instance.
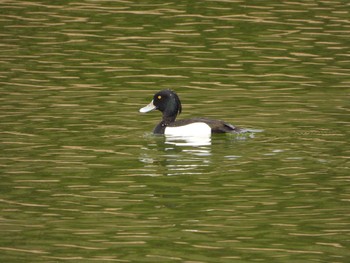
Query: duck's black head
<point x="167" y="102"/>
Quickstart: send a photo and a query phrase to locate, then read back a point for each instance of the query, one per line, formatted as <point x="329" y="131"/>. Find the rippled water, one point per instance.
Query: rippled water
<point x="84" y="180"/>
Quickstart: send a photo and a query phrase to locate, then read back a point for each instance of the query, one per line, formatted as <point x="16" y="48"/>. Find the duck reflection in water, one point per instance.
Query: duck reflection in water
<point x="174" y="155"/>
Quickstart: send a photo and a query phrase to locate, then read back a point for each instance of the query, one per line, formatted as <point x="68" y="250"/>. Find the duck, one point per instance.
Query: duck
<point x="169" y="104"/>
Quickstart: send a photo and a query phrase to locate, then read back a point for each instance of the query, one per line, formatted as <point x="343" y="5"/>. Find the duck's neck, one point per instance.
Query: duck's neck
<point x="168" y="119"/>
<point x="160" y="128"/>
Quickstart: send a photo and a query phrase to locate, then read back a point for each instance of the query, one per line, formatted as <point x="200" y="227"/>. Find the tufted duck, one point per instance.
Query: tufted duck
<point x="169" y="104"/>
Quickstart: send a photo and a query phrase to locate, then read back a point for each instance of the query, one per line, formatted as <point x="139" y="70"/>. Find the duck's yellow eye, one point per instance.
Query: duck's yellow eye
<point x="159" y="97"/>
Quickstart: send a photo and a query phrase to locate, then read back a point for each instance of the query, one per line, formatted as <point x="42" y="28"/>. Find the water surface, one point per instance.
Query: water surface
<point x="84" y="180"/>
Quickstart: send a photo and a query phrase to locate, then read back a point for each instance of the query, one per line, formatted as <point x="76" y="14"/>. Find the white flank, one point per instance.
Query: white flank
<point x="196" y="129"/>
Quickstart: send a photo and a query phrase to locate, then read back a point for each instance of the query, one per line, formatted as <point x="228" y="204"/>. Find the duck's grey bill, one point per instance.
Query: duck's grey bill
<point x="148" y="108"/>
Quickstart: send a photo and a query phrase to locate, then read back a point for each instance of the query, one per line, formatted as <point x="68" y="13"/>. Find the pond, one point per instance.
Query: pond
<point x="85" y="180"/>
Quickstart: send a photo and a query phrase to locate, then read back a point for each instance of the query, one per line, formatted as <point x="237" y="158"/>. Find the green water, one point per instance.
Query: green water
<point x="84" y="180"/>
